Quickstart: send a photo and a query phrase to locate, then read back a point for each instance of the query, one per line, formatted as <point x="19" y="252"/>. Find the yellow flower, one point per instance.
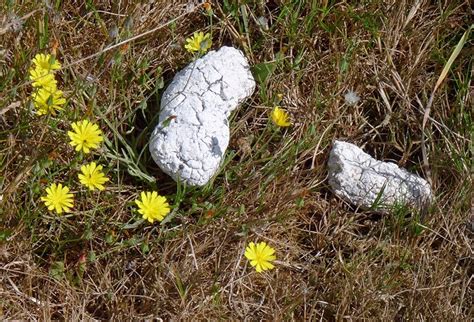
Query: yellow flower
<point x="280" y="117"/>
<point x="260" y="256"/>
<point x="199" y="42"/>
<point x="42" y="78"/>
<point x="86" y="136"/>
<point x="41" y="73"/>
<point x="48" y="100"/>
<point x="152" y="206"/>
<point x="46" y="62"/>
<point x="92" y="176"/>
<point x="58" y="198"/>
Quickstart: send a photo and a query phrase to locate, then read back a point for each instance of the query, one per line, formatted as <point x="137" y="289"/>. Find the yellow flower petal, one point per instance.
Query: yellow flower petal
<point x="46" y="62"/>
<point x="48" y="100"/>
<point x="152" y="206"/>
<point x="280" y="117"/>
<point x="86" y="136"/>
<point x="42" y="78"/>
<point x="199" y="42"/>
<point x="92" y="176"/>
<point x="58" y="198"/>
<point x="260" y="256"/>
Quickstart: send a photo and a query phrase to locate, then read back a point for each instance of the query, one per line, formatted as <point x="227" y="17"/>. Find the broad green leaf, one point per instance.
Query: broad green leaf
<point x="262" y="71"/>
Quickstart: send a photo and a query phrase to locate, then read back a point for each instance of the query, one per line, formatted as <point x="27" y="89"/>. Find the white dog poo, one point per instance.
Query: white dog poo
<point x="360" y="179"/>
<point x="193" y="132"/>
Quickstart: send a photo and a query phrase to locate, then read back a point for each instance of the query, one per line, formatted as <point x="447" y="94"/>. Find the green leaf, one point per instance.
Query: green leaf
<point x="167" y="122"/>
<point x="91" y="257"/>
<point x="57" y="270"/>
<point x="133" y="225"/>
<point x="5" y="234"/>
<point x="159" y="83"/>
<point x="109" y="238"/>
<point x="417" y="228"/>
<point x="300" y="202"/>
<point x="453" y="56"/>
<point x="262" y="71"/>
<point x="145" y="248"/>
<point x="87" y="235"/>
<point x="131" y="242"/>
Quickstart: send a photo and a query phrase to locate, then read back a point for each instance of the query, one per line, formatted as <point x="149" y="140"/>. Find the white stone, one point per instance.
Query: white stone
<point x="351" y="97"/>
<point x="193" y="132"/>
<point x="360" y="179"/>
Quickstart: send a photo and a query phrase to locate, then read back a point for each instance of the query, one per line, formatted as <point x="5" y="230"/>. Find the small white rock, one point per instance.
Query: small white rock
<point x="351" y="97"/>
<point x="358" y="178"/>
<point x="193" y="133"/>
<point x="263" y="22"/>
<point x="15" y="22"/>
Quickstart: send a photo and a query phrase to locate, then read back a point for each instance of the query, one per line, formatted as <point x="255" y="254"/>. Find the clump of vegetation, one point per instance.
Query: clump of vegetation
<point x="90" y="227"/>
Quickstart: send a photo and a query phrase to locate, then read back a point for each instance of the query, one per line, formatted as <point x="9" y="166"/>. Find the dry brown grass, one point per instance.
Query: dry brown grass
<point x="334" y="262"/>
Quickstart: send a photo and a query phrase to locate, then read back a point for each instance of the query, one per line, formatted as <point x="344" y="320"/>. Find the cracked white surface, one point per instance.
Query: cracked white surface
<point x="360" y="179"/>
<point x="193" y="133"/>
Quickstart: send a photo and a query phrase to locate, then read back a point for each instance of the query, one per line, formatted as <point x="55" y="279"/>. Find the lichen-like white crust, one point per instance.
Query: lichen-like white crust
<point x="360" y="179"/>
<point x="193" y="133"/>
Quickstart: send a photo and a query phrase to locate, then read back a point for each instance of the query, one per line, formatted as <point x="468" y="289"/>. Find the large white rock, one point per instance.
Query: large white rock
<point x="193" y="132"/>
<point x="360" y="179"/>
